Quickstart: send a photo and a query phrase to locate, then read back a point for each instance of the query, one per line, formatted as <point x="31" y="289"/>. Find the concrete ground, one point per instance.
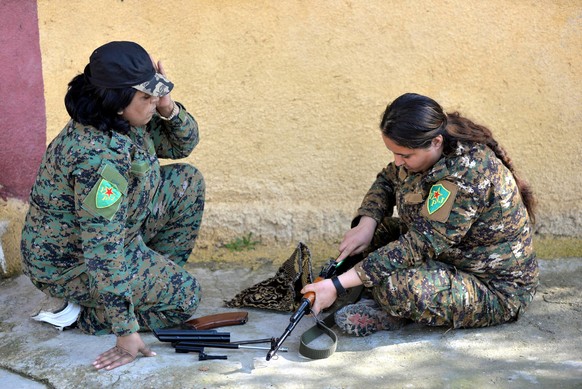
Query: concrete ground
<point x="541" y="350"/>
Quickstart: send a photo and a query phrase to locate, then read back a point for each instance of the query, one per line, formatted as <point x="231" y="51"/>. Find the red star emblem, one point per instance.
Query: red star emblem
<point x="109" y="192"/>
<point x="436" y="195"/>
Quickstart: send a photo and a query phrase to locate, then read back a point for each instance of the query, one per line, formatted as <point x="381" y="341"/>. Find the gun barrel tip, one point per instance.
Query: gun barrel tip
<point x="269" y="356"/>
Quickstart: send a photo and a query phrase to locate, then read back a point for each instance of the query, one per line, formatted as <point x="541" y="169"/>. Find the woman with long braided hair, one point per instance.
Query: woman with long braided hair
<point x="460" y="252"/>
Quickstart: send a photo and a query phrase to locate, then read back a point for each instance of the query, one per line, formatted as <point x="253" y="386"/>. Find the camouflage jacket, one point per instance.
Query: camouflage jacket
<point x="93" y="192"/>
<point x="466" y="211"/>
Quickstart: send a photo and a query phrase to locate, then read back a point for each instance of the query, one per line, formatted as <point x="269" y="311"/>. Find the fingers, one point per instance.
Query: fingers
<point x="125" y="351"/>
<point x="147" y="352"/>
<point x="349" y="250"/>
<point x="318" y="306"/>
<point x="161" y="69"/>
<point x="112" y="358"/>
<point x="158" y="66"/>
<point x="343" y="255"/>
<point x="154" y="63"/>
<point x="350" y="245"/>
<point x="307" y="288"/>
<point x="325" y="295"/>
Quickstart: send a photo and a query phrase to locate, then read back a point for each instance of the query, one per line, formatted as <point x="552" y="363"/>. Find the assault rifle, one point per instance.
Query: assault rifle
<point x="329" y="270"/>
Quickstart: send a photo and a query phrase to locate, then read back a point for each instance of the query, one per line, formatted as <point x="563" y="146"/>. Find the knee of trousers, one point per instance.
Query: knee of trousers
<point x="197" y="182"/>
<point x="194" y="175"/>
<point x="192" y="300"/>
<point x="406" y="293"/>
<point x="187" y="182"/>
<point x="391" y="300"/>
<point x="185" y="171"/>
<point x="186" y="300"/>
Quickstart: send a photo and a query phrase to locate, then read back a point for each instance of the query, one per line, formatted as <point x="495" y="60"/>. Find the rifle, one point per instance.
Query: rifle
<point x="185" y="341"/>
<point x="329" y="270"/>
<point x="235" y="345"/>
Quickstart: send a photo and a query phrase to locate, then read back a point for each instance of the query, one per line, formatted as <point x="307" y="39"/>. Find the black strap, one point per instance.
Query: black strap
<point x="323" y="327"/>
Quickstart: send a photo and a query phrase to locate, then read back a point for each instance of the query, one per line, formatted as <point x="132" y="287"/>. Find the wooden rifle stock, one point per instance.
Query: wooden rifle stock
<point x="310" y="296"/>
<point x="217" y="320"/>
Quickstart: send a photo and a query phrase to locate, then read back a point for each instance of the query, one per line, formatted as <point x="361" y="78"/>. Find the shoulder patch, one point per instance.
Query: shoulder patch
<point x="107" y="194"/>
<point x="440" y="201"/>
<point x="437" y="197"/>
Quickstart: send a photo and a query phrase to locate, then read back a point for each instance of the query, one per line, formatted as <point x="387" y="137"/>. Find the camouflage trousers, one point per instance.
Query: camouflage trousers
<point x="436" y="293"/>
<point x="163" y="293"/>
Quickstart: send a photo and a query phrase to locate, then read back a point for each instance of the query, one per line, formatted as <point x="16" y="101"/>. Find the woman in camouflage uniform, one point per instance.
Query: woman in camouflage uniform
<point x="108" y="228"/>
<point x="460" y="254"/>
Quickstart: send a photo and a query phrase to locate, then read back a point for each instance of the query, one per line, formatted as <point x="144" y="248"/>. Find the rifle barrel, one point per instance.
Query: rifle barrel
<point x="297" y="316"/>
<point x="169" y="335"/>
<point x="194" y="338"/>
<point x="266" y="340"/>
<point x="187" y="345"/>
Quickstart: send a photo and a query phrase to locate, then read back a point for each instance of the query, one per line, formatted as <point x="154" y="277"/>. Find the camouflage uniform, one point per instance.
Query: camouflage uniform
<point x="460" y="254"/>
<point x="110" y="229"/>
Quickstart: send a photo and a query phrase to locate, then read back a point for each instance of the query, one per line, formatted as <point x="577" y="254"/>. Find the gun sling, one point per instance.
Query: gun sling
<point x="323" y="327"/>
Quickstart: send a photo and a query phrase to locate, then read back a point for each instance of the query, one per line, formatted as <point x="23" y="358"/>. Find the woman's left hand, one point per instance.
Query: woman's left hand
<point x="165" y="104"/>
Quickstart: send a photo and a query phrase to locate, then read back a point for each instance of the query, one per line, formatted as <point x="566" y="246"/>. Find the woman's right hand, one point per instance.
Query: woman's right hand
<point x="358" y="238"/>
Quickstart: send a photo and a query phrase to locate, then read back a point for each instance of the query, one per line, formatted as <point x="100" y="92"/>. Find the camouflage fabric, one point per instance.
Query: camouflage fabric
<point x="365" y="318"/>
<point x="280" y="292"/>
<point x="159" y="85"/>
<point x="464" y="257"/>
<point x="110" y="229"/>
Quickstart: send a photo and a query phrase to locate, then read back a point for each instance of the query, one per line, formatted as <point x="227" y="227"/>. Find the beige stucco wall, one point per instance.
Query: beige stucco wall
<point x="288" y="94"/>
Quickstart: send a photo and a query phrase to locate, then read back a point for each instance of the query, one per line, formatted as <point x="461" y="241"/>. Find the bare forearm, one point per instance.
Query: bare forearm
<point x="350" y="279"/>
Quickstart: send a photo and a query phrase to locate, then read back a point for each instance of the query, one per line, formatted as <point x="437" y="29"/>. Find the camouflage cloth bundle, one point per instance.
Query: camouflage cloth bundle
<point x="281" y="292"/>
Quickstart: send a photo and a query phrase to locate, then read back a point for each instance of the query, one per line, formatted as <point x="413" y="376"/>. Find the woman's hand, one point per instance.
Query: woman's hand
<point x="358" y="238"/>
<point x="165" y="104"/>
<point x="325" y="295"/>
<point x="325" y="292"/>
<point x="125" y="351"/>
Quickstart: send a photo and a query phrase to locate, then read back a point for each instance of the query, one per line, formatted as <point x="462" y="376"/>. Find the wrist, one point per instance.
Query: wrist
<point x="368" y="221"/>
<point x="340" y="290"/>
<point x="173" y="112"/>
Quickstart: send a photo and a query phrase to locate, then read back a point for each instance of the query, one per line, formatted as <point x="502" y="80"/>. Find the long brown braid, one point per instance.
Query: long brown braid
<point x="461" y="128"/>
